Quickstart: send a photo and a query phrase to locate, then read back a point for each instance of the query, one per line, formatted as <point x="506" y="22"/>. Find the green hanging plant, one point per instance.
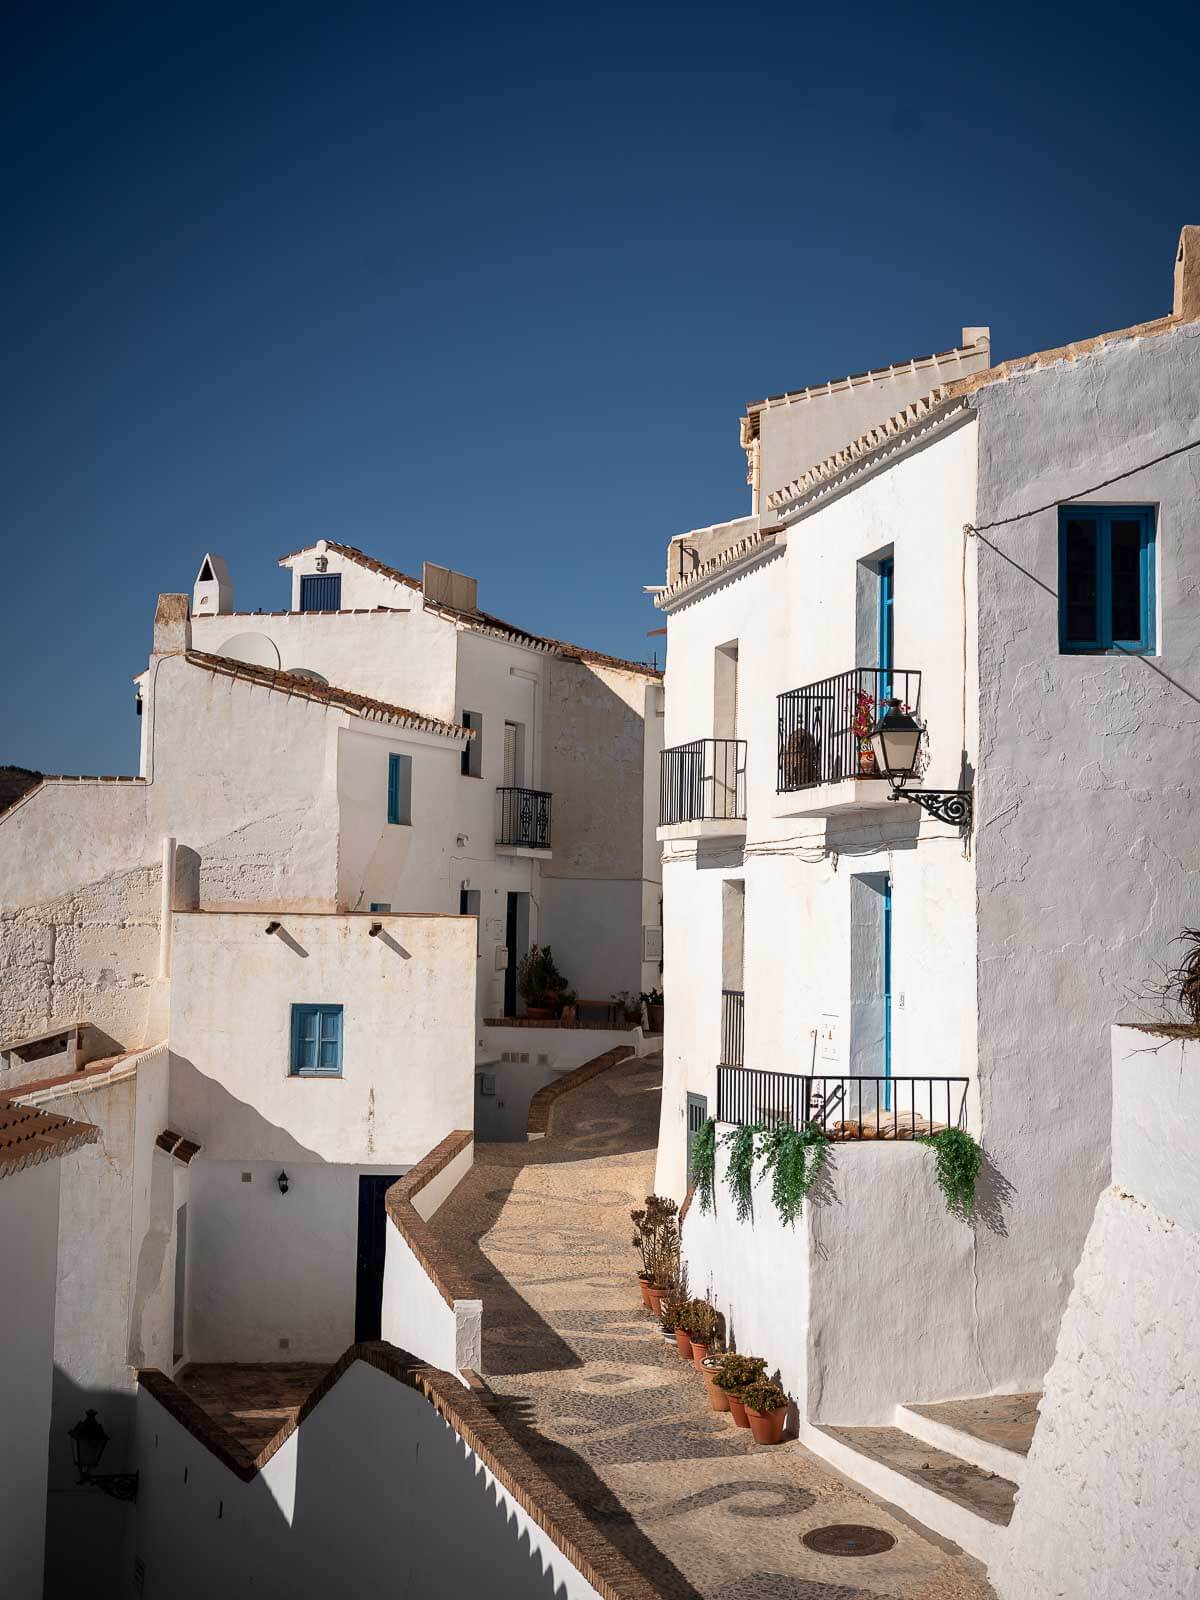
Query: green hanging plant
<point x="958" y="1160"/>
<point x="794" y="1158"/>
<point x="740" y="1178"/>
<point x="704" y="1166"/>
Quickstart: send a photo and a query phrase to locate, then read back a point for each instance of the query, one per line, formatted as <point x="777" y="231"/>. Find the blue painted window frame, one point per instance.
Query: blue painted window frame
<point x="1102" y="641"/>
<point x="399" y="794"/>
<point x="316" y="1041"/>
<point x="321" y="591"/>
<point x="887" y="993"/>
<point x="887" y="595"/>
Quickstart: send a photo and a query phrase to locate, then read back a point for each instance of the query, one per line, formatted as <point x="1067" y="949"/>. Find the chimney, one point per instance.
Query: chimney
<point x="212" y="594"/>
<point x="172" y="629"/>
<point x="442" y="587"/>
<point x="1187" y="275"/>
<point x="980" y="337"/>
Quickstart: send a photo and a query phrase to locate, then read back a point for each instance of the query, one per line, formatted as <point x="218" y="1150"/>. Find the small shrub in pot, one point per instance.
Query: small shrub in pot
<point x="766" y="1406"/>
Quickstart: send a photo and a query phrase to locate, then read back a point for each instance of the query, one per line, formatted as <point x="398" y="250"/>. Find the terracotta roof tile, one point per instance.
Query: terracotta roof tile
<point x="358" y="556"/>
<point x="28" y="1137"/>
<point x="327" y="694"/>
<point x="483" y="622"/>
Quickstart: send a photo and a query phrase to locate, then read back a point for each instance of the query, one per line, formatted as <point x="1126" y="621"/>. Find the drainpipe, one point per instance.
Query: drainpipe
<point x="164" y="910"/>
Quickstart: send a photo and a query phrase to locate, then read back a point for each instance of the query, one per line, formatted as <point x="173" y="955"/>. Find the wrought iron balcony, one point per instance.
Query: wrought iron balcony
<point x="821" y="725"/>
<point x="524" y="819"/>
<point x="704" y="781"/>
<point x="733" y="1027"/>
<point x="848" y="1108"/>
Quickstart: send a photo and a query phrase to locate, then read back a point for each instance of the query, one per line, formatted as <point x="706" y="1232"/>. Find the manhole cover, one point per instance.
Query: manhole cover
<point x="848" y="1539"/>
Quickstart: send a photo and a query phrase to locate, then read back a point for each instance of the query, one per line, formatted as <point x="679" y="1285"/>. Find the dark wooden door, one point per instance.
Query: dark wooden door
<point x="510" y="972"/>
<point x="372" y="1244"/>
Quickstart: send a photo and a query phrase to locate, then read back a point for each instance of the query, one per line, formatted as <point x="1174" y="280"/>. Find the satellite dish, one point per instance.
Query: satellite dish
<point x="255" y="649"/>
<point x="306" y="672"/>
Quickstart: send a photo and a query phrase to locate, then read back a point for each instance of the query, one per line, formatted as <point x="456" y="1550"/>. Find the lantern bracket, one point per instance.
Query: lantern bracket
<point x="120" y="1485"/>
<point x="954" y="806"/>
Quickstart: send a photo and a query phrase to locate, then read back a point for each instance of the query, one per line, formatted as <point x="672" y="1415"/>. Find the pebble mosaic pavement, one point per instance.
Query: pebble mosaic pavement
<point x="584" y="1380"/>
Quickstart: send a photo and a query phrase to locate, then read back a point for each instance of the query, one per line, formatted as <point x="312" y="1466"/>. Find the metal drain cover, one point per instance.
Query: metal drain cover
<point x="848" y="1539"/>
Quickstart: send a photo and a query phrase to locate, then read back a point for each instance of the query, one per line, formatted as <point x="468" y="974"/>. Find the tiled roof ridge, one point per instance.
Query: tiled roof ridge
<point x="595" y="1557"/>
<point x="542" y="1104"/>
<point x="483" y="622"/>
<point x="943" y="400"/>
<point x="84" y="1077"/>
<point x="901" y="422"/>
<point x="327" y="694"/>
<point x="449" y="1276"/>
<point x="353" y="553"/>
<point x="28" y="1136"/>
<point x="763" y="540"/>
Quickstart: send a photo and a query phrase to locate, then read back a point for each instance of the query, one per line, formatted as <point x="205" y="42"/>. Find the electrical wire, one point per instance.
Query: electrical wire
<point x="1020" y="516"/>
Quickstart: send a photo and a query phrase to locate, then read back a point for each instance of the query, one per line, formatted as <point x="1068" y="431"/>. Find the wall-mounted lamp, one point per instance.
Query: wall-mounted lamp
<point x="322" y="563"/>
<point x="896" y="741"/>
<point x="88" y="1442"/>
<point x="282" y="1181"/>
<point x="273" y="927"/>
<point x="375" y="930"/>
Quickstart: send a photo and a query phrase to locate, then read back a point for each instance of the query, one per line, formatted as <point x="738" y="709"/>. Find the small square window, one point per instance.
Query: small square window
<point x="316" y="1041"/>
<point x="399" y="795"/>
<point x="1106" y="580"/>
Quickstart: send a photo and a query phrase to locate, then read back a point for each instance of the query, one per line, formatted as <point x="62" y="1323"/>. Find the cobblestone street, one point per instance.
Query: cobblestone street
<point x="585" y="1381"/>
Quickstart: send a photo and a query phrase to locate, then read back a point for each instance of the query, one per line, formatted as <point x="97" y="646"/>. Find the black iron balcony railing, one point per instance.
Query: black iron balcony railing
<point x="704" y="781"/>
<point x="821" y="725"/>
<point x="733" y="1027"/>
<point x="524" y="820"/>
<point x="847" y="1108"/>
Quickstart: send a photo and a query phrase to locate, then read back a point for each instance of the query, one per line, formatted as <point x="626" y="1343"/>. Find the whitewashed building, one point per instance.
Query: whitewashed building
<point x="261" y="968"/>
<point x="1012" y="551"/>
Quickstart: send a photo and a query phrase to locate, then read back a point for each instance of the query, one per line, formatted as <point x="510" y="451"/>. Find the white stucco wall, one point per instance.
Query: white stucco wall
<point x="1110" y="1502"/>
<point x="374" y="1493"/>
<point x="550" y="1051"/>
<point x="29" y="1205"/>
<point x="794" y="617"/>
<point x="1084" y="803"/>
<point x="408" y="1041"/>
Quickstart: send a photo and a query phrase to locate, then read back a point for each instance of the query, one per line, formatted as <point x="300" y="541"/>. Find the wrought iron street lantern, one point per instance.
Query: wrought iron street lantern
<point x="88" y="1443"/>
<point x="896" y="740"/>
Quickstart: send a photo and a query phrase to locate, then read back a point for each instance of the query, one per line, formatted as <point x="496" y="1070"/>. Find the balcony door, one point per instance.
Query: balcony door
<point x="514" y="755"/>
<point x="871" y="967"/>
<point x="887" y="595"/>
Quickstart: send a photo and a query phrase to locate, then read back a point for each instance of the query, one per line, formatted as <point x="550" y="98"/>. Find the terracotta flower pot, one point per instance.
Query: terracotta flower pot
<point x="737" y="1410"/>
<point x="699" y="1351"/>
<point x="656" y="1298"/>
<point x="866" y="761"/>
<point x="717" y="1398"/>
<point x="684" y="1344"/>
<point x="646" y="1300"/>
<point x="767" y="1426"/>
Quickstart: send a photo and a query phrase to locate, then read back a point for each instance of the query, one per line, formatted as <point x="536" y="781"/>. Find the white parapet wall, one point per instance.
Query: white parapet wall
<point x="1110" y="1503"/>
<point x="430" y="1307"/>
<point x="864" y="1302"/>
<point x="384" y="1487"/>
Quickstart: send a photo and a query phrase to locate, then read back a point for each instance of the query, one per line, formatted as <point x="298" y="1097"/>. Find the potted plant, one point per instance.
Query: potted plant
<point x="570" y="1010"/>
<point x="666" y="1259"/>
<point x="709" y="1368"/>
<point x="540" y="983"/>
<point x="766" y="1406"/>
<point x="737" y="1373"/>
<point x="629" y="1006"/>
<point x="675" y="1315"/>
<point x="861" y="724"/>
<point x="655" y="1238"/>
<point x="655" y="1009"/>
<point x="702" y="1323"/>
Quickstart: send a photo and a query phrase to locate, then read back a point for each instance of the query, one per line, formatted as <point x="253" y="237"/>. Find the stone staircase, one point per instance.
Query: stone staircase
<point x="955" y="1466"/>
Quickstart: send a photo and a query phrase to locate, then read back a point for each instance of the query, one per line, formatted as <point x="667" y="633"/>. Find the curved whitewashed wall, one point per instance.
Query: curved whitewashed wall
<point x="1110" y="1502"/>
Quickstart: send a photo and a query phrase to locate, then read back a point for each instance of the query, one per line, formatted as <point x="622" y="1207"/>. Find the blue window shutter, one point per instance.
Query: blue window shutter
<point x="1106" y="562"/>
<point x="321" y="591"/>
<point x="316" y="1040"/>
<point x="399" y="805"/>
<point x="393" y="811"/>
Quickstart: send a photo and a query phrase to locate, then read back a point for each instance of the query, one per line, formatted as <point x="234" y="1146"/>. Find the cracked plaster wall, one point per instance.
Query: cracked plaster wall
<point x="1085" y="804"/>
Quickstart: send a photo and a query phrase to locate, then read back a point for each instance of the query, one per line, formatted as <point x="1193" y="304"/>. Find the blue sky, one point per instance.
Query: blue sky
<point x="491" y="286"/>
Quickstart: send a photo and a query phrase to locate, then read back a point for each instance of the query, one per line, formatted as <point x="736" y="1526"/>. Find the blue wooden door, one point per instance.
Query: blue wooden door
<point x="372" y="1247"/>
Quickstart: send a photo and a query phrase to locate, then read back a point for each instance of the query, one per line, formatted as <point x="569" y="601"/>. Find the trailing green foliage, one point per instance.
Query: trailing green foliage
<point x="794" y="1158"/>
<point x="704" y="1165"/>
<point x="740" y="1178"/>
<point x="958" y="1160"/>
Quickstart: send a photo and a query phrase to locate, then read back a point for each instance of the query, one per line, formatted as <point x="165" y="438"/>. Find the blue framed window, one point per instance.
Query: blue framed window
<point x="321" y="591"/>
<point x="1106" y="579"/>
<point x="399" y="799"/>
<point x="316" y="1041"/>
